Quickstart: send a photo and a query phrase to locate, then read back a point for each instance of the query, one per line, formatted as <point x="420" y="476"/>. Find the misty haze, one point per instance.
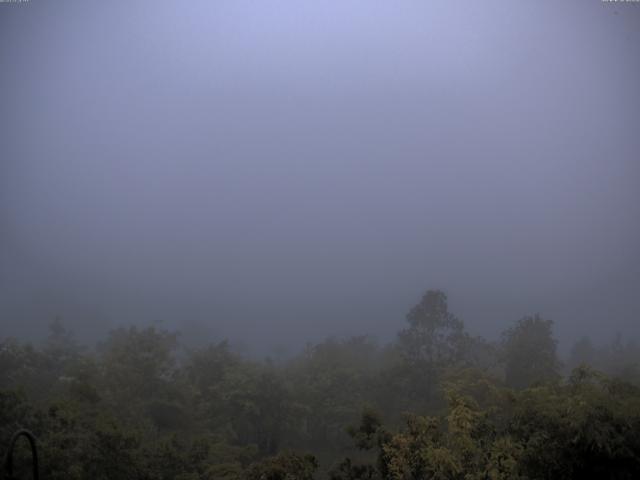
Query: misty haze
<point x="294" y="240"/>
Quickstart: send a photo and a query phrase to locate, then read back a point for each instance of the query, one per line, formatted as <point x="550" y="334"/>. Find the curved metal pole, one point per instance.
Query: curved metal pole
<point x="8" y="461"/>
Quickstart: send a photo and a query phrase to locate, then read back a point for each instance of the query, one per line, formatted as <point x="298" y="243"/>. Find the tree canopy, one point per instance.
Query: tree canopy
<point x="436" y="403"/>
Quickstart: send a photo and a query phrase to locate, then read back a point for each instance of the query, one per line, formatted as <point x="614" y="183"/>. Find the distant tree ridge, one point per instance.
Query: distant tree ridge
<point x="436" y="403"/>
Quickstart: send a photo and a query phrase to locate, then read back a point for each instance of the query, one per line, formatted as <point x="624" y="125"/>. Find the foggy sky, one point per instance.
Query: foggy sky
<point x="279" y="171"/>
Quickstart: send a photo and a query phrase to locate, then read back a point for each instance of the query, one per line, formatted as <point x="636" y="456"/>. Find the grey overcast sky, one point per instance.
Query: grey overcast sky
<point x="279" y="171"/>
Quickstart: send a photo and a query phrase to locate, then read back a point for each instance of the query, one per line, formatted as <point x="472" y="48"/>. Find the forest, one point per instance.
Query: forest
<point x="435" y="403"/>
<point x="319" y="240"/>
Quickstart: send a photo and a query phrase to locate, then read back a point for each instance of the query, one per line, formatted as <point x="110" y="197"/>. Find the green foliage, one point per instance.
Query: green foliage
<point x="530" y="353"/>
<point x="435" y="336"/>
<point x="586" y="428"/>
<point x="434" y="340"/>
<point x="139" y="363"/>
<point x="333" y="381"/>
<point x="139" y="408"/>
<point x="284" y="466"/>
<point x="348" y="470"/>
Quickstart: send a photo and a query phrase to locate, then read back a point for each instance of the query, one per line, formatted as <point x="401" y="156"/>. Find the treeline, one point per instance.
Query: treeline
<point x="437" y="403"/>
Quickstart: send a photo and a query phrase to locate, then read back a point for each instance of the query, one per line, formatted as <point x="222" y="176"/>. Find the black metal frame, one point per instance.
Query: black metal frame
<point x="8" y="461"/>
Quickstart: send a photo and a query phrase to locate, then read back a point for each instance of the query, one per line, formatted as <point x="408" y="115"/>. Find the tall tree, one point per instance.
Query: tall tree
<point x="434" y="340"/>
<point x="530" y="352"/>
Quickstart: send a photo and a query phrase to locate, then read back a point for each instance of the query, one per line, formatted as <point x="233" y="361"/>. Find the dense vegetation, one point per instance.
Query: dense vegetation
<point x="437" y="403"/>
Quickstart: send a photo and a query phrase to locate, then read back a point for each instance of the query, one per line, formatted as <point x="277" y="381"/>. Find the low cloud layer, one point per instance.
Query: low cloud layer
<point x="277" y="172"/>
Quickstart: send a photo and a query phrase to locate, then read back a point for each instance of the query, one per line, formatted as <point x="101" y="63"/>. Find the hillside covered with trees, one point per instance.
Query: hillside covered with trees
<point x="436" y="403"/>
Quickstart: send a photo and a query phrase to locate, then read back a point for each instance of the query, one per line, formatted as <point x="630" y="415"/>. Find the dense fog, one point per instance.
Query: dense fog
<point x="305" y="240"/>
<point x="278" y="172"/>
